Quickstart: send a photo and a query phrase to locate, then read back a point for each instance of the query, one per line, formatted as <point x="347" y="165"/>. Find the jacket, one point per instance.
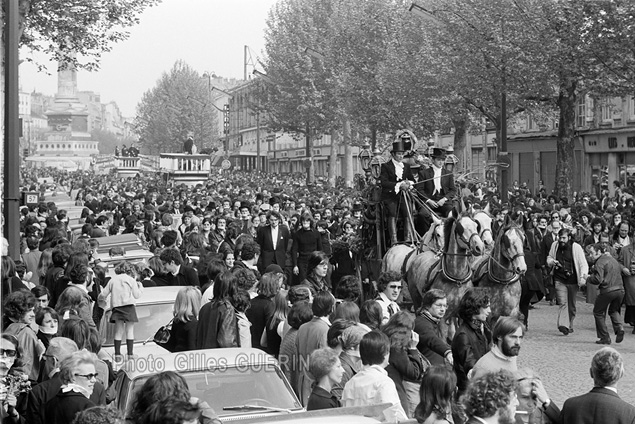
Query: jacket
<point x="447" y="184"/>
<point x="607" y="274"/>
<point x="217" y="325"/>
<point x="268" y="254"/>
<point x="579" y="260"/>
<point x="468" y="346"/>
<point x="123" y="290"/>
<point x="31" y="349"/>
<point x="600" y="405"/>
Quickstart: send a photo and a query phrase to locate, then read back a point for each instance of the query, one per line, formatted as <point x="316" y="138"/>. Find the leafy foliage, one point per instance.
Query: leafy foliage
<point x="77" y="32"/>
<point x="179" y="105"/>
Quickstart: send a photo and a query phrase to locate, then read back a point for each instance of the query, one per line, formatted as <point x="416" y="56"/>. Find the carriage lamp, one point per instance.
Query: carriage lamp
<point x="375" y="164"/>
<point x="365" y="157"/>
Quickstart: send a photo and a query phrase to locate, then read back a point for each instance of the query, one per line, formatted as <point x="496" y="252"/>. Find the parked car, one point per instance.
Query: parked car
<point x="237" y="383"/>
<point x="154" y="309"/>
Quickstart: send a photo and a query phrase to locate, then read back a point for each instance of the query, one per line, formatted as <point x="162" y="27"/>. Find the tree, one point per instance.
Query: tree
<point x="77" y="32"/>
<point x="179" y="105"/>
<point x="300" y="96"/>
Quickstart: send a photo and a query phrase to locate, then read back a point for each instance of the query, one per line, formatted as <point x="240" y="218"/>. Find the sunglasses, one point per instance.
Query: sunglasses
<point x="87" y="376"/>
<point x="395" y="287"/>
<point x="8" y="352"/>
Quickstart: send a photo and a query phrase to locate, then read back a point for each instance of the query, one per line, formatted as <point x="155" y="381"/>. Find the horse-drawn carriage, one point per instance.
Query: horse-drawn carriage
<point x="456" y="253"/>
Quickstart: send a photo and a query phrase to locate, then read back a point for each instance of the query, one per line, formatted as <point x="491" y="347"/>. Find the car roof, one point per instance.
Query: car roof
<point x="195" y="360"/>
<point x="160" y="294"/>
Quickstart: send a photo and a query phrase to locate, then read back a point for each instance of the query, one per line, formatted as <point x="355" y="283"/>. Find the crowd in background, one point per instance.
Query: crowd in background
<point x="273" y="264"/>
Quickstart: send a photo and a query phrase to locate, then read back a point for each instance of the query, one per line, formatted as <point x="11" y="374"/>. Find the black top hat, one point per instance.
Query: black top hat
<point x="357" y="206"/>
<point x="437" y="152"/>
<point x="398" y="146"/>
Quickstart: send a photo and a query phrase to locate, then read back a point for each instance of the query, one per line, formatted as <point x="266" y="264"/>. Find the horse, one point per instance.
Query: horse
<point x="485" y="220"/>
<point x="499" y="273"/>
<point x="451" y="271"/>
<point x="398" y="257"/>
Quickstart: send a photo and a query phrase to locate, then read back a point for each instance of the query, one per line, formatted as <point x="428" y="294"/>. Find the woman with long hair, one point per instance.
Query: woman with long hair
<point x="277" y="325"/>
<point x="75" y="302"/>
<point x="371" y="315"/>
<point x="217" y="318"/>
<point x="436" y="404"/>
<point x="405" y="364"/>
<point x="46" y="262"/>
<point x="262" y="309"/>
<point x="305" y="241"/>
<point x="10" y="281"/>
<point x="317" y="268"/>
<point x="185" y="324"/>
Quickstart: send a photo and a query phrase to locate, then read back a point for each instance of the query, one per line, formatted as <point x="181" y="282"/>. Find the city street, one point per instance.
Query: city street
<point x="563" y="362"/>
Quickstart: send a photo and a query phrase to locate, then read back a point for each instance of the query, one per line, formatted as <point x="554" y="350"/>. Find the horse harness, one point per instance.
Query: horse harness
<point x="480" y="272"/>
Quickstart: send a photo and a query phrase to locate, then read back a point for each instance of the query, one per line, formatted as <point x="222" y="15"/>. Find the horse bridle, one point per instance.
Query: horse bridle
<point x="467" y="242"/>
<point x="517" y="255"/>
<point x="483" y="229"/>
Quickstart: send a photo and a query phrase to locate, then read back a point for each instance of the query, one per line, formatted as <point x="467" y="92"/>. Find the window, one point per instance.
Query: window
<point x="607" y="111"/>
<point x="581" y="112"/>
<point x="631" y="106"/>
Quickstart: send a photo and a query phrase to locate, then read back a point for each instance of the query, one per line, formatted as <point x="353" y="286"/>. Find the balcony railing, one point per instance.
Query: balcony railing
<point x="124" y="162"/>
<point x="182" y="163"/>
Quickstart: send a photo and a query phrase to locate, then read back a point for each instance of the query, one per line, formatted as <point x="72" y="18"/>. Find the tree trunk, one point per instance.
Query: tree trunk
<point x="335" y="148"/>
<point x="309" y="156"/>
<point x="460" y="140"/>
<point x="348" y="154"/>
<point x="566" y="132"/>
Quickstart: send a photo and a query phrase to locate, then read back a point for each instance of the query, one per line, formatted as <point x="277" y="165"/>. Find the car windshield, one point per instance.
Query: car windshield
<point x="151" y="318"/>
<point x="257" y="385"/>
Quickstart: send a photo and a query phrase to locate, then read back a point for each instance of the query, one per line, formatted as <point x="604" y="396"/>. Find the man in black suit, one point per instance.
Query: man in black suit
<point x="396" y="177"/>
<point x="274" y="241"/>
<point x="187" y="146"/>
<point x="491" y="399"/>
<point x="437" y="184"/>
<point x="602" y="404"/>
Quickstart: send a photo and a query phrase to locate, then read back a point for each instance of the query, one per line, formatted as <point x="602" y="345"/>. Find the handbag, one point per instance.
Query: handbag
<point x="162" y="336"/>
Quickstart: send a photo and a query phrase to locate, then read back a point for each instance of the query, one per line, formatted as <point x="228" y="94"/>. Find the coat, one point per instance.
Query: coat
<point x="468" y="346"/>
<point x="626" y="257"/>
<point x="431" y="342"/>
<point x="600" y="405"/>
<point x="217" y="325"/>
<point x="311" y="336"/>
<point x="388" y="179"/>
<point x="268" y="255"/>
<point x="64" y="406"/>
<point x="447" y="184"/>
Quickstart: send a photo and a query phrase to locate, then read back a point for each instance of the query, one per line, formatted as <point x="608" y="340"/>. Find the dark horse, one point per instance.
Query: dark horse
<point x="450" y="271"/>
<point x="499" y="273"/>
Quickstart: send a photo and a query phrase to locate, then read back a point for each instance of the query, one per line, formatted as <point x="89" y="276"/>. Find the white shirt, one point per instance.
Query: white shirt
<point x="372" y="386"/>
<point x="437" y="179"/>
<point x="398" y="169"/>
<point x="386" y="306"/>
<point x="274" y="236"/>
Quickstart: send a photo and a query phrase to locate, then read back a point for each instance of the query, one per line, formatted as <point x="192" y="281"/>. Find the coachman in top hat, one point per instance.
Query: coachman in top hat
<point x="438" y="184"/>
<point x="396" y="177"/>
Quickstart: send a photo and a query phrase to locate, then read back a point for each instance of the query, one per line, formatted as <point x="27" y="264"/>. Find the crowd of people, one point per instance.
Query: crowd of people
<point x="272" y="264"/>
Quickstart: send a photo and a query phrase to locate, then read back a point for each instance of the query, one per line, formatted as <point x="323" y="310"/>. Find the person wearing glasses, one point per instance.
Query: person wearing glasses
<point x="389" y="286"/>
<point x="432" y="344"/>
<point x="78" y="377"/>
<point x="9" y="353"/>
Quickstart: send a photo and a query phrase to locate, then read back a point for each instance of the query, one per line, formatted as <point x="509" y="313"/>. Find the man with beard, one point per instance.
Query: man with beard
<point x="598" y="226"/>
<point x="507" y="337"/>
<point x="491" y="399"/>
<point x="570" y="270"/>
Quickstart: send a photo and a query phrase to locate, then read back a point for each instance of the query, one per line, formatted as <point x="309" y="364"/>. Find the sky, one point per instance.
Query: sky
<point x="208" y="35"/>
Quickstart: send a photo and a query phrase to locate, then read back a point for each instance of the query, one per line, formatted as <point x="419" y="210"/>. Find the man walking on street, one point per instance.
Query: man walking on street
<point x="607" y="274"/>
<point x="570" y="270"/>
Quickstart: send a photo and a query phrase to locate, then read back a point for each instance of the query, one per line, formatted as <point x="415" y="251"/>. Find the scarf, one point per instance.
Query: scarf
<point x="72" y="387"/>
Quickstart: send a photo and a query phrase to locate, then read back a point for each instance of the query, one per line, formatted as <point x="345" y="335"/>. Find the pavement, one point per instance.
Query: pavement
<point x="563" y="362"/>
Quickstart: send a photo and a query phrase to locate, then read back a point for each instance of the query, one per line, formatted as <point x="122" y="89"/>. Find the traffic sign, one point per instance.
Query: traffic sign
<point x="225" y="164"/>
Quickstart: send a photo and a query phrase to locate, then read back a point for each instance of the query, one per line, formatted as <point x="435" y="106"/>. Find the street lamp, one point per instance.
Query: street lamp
<point x="365" y="156"/>
<point x="375" y="164"/>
